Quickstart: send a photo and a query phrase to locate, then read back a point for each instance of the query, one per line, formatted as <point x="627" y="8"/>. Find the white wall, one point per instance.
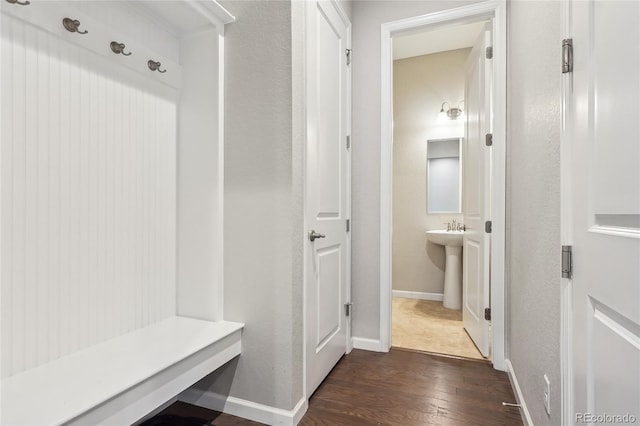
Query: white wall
<point x="262" y="207"/>
<point x="533" y="216"/>
<point x="198" y="271"/>
<point x="420" y="85"/>
<point x="368" y="16"/>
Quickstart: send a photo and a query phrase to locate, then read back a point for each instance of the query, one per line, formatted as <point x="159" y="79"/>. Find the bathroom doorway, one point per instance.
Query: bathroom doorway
<point x="427" y="188"/>
<point x="435" y="108"/>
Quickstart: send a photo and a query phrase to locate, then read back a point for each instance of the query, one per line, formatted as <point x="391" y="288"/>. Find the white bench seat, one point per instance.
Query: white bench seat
<point x="121" y="380"/>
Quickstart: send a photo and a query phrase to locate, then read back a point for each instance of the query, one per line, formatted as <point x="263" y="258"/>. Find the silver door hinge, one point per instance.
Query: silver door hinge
<point x="347" y="309"/>
<point x="487" y="227"/>
<point x="348" y="53"/>
<point x="489" y="52"/>
<point x="487" y="314"/>
<point x="488" y="139"/>
<point x="348" y="225"/>
<point x="567" y="261"/>
<point x="567" y="55"/>
<point x="348" y="141"/>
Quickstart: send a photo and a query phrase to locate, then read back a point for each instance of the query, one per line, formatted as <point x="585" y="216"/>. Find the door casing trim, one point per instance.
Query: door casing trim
<point x="496" y="11"/>
<point x="566" y="234"/>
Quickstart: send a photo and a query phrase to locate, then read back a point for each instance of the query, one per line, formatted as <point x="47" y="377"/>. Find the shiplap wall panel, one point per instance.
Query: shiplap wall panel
<point x="88" y="163"/>
<point x="31" y="193"/>
<point x="53" y="189"/>
<point x="42" y="325"/>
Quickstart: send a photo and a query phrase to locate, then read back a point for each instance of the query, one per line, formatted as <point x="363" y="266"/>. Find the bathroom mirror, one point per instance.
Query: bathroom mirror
<point x="444" y="175"/>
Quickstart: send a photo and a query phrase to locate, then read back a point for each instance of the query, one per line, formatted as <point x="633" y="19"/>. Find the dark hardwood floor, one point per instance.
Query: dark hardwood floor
<point x="183" y="414"/>
<point x="399" y="388"/>
<point x="410" y="388"/>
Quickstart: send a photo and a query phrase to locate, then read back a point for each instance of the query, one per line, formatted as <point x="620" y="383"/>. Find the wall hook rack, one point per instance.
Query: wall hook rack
<point x="21" y="3"/>
<point x="155" y="66"/>
<point x="72" y="25"/>
<point x="118" y="48"/>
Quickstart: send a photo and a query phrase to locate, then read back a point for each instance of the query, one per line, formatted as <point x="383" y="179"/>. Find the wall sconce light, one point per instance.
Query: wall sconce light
<point x="451" y="113"/>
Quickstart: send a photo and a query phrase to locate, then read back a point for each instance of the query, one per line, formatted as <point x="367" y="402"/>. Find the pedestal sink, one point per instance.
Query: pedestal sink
<point x="452" y="242"/>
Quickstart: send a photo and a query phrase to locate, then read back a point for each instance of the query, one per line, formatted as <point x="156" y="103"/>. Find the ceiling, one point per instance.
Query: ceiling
<point x="445" y="38"/>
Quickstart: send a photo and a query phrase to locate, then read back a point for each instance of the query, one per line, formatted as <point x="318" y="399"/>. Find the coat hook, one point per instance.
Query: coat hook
<point x="118" y="48"/>
<point x="155" y="66"/>
<point x="72" y="25"/>
<point x="25" y="3"/>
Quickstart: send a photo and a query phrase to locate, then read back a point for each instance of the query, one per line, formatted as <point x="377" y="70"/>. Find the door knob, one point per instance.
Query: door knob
<point x="313" y="235"/>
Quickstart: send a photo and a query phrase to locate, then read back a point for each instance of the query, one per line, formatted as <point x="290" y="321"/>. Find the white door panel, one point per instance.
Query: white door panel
<point x="326" y="208"/>
<point x="616" y="90"/>
<point x="473" y="302"/>
<point x="476" y="194"/>
<point x="602" y="185"/>
<point x="330" y="64"/>
<point x="328" y="291"/>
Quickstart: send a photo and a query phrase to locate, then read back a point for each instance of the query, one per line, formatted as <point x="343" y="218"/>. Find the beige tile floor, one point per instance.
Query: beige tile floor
<point x="426" y="325"/>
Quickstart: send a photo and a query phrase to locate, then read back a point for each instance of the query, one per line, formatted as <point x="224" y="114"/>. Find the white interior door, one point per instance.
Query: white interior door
<point x="476" y="161"/>
<point x="327" y="191"/>
<point x="602" y="208"/>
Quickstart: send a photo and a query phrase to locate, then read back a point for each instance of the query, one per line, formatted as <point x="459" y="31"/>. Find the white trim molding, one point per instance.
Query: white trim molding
<point x="214" y="12"/>
<point x="566" y="224"/>
<point x="566" y="352"/>
<point x="246" y="409"/>
<point x="495" y="10"/>
<point x="368" y="344"/>
<point x="418" y="295"/>
<point x="524" y="412"/>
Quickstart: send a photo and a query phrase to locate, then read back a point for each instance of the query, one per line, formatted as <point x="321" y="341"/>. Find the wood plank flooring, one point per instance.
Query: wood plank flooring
<point x="183" y="414"/>
<point x="410" y="388"/>
<point x="399" y="388"/>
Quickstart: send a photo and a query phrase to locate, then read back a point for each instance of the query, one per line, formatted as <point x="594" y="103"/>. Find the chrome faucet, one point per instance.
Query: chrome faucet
<point x="455" y="226"/>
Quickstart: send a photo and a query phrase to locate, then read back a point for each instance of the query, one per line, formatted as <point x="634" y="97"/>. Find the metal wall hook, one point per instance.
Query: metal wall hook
<point x="118" y="48"/>
<point x="72" y="25"/>
<point x="25" y="3"/>
<point x="155" y="66"/>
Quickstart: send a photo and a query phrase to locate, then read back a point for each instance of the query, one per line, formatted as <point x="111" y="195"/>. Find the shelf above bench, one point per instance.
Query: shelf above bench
<point x="120" y="380"/>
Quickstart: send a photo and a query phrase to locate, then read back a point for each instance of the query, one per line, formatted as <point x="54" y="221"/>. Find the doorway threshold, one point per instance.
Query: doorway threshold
<point x="441" y="355"/>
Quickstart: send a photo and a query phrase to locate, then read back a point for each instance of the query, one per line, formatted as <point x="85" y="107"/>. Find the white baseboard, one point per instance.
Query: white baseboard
<point x="418" y="295"/>
<point x="367" y="344"/>
<point x="246" y="409"/>
<point x="524" y="412"/>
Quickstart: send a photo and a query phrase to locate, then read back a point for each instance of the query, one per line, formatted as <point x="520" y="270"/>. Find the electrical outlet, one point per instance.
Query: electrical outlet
<point x="547" y="395"/>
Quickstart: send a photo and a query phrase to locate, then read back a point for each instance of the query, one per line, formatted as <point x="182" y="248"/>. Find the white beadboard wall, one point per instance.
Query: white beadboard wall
<point x="88" y="205"/>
